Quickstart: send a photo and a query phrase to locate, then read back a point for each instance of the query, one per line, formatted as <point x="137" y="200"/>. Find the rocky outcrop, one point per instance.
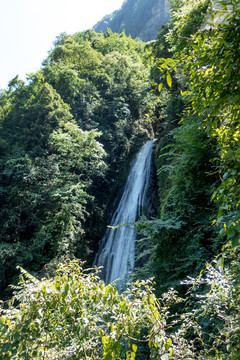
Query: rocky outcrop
<point x="139" y="18"/>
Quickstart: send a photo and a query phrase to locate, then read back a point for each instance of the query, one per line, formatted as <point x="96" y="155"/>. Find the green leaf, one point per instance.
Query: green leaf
<point x="235" y="241"/>
<point x="169" y="80"/>
<point x="108" y="357"/>
<point x="133" y="355"/>
<point x="231" y="233"/>
<point x="66" y="288"/>
<point x="160" y="87"/>
<point x="134" y="347"/>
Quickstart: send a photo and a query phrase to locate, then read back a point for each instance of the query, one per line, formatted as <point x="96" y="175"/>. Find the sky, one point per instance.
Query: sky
<point x="28" y="29"/>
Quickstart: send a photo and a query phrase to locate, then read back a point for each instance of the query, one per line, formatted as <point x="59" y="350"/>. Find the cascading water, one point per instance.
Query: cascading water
<point x="116" y="251"/>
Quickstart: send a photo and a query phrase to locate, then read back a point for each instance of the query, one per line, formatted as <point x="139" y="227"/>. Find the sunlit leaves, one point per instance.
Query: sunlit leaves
<point x="160" y="86"/>
<point x="169" y="80"/>
<point x="212" y="68"/>
<point x="79" y="149"/>
<point x="187" y="19"/>
<point x="52" y="162"/>
<point x="77" y="316"/>
<point x="46" y="168"/>
<point x="166" y="66"/>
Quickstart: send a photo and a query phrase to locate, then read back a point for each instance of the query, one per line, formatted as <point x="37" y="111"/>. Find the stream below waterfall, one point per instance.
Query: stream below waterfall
<point x="117" y="248"/>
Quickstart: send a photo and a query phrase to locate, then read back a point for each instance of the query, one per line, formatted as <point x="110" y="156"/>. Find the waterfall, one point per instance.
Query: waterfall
<point x="116" y="251"/>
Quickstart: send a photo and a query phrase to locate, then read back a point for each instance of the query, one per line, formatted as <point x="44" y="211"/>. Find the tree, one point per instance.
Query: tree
<point x="213" y="93"/>
<point x="48" y="164"/>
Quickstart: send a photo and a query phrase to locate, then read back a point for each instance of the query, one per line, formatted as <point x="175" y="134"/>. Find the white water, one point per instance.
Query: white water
<point x="117" y="247"/>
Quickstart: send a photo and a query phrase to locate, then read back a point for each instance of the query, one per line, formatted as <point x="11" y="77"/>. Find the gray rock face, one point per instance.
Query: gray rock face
<point x="139" y="18"/>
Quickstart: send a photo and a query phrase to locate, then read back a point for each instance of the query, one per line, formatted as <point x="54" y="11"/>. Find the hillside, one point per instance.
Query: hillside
<point x="139" y="18"/>
<point x="77" y="124"/>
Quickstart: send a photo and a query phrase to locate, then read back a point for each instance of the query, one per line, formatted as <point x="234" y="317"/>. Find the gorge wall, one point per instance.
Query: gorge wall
<point x="139" y="18"/>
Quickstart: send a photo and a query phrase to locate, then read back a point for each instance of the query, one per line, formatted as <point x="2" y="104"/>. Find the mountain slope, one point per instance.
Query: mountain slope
<point x="139" y="18"/>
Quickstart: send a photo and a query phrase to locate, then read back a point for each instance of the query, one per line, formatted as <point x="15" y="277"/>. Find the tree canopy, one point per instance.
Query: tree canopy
<point x="67" y="135"/>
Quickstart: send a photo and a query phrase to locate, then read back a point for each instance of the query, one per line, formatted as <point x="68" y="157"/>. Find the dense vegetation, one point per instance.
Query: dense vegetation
<point x="71" y="130"/>
<point x="67" y="136"/>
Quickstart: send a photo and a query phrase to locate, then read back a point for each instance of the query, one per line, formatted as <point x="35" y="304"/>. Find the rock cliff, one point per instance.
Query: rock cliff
<point x="139" y="18"/>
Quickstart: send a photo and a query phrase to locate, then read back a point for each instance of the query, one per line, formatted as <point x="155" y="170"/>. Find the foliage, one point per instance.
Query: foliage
<point x="214" y="80"/>
<point x="200" y="158"/>
<point x="209" y="62"/>
<point x="214" y="317"/>
<point x="54" y="185"/>
<point x="47" y="165"/>
<point x="112" y="42"/>
<point x="182" y="239"/>
<point x="109" y="97"/>
<point x="187" y="19"/>
<point x="186" y="184"/>
<point x="202" y="167"/>
<point x="74" y="315"/>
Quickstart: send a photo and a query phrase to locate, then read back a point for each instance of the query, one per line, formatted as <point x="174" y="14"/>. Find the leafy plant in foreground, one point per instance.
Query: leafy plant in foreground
<point x="76" y="316"/>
